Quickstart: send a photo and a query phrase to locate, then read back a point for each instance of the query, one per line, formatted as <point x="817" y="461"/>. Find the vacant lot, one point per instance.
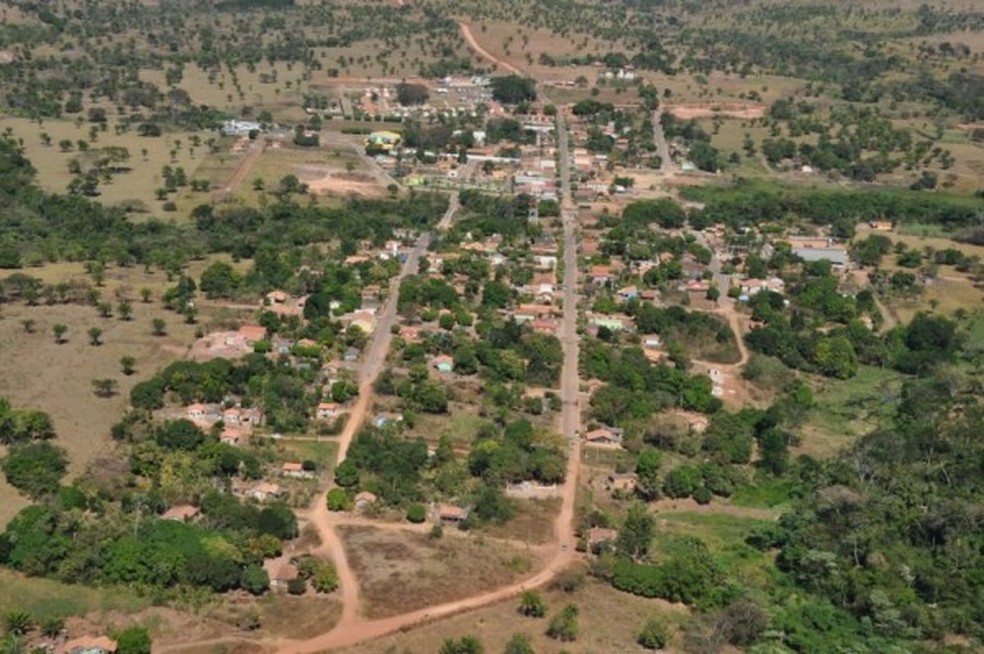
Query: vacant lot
<point x="400" y="571"/>
<point x="608" y="619"/>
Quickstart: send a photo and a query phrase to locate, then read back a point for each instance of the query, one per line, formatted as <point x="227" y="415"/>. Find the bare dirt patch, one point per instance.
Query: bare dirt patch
<point x="331" y="181"/>
<point x="400" y="572"/>
<point x="740" y="110"/>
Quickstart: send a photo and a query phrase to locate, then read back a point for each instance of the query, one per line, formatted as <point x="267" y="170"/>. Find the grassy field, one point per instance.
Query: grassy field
<point x="402" y="571"/>
<point x="608" y="619"/>
<point x="43" y="598"/>
<point x="724" y="536"/>
<point x="846" y="410"/>
<point x="134" y="186"/>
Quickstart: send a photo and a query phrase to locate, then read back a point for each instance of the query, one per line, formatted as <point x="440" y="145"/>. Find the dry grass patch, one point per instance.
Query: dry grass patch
<point x="532" y="523"/>
<point x="57" y="378"/>
<point x="609" y="622"/>
<point x="400" y="572"/>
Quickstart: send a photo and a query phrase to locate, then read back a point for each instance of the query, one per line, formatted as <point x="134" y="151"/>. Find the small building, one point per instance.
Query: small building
<point x="89" y="645"/>
<point x="364" y="500"/>
<point x="351" y="355"/>
<point x="266" y="491"/>
<point x="195" y="412"/>
<point x="600" y="274"/>
<point x="328" y="411"/>
<point x="294" y="469"/>
<point x="628" y="293"/>
<point x="604" y="437"/>
<point x="651" y="341"/>
<point x="284" y="574"/>
<point x="181" y="513"/>
<point x="231" y="416"/>
<point x="598" y="536"/>
<point x="230" y="437"/>
<point x="612" y="323"/>
<point x="443" y="363"/>
<point x="383" y="140"/>
<point x="881" y="225"/>
<point x="451" y="514"/>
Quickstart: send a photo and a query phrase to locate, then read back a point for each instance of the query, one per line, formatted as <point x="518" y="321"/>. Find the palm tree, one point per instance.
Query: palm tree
<point x="95" y="336"/>
<point x="125" y="309"/>
<point x="127" y="362"/>
<point x="18" y="623"/>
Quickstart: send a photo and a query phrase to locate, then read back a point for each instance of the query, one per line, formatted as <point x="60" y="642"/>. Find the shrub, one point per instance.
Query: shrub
<point x="296" y="586"/>
<point x="563" y="626"/>
<point x="416" y="513"/>
<point x="531" y="605"/>
<point x="338" y="500"/>
<point x="653" y="634"/>
<point x="133" y="640"/>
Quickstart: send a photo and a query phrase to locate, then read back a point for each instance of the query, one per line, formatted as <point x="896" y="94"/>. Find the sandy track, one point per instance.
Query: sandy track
<point x="466" y="33"/>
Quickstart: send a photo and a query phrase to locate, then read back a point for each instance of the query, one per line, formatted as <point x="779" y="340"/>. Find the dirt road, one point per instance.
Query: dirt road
<point x="466" y="33"/>
<point x="242" y="170"/>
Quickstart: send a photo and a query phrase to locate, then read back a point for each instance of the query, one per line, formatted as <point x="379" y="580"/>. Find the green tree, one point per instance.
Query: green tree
<point x="347" y="474"/>
<point x="95" y="336"/>
<point x="255" y="580"/>
<point x="531" y="605"/>
<point x="647" y="473"/>
<point x="59" y="330"/>
<point x="35" y="468"/>
<point x="158" y="327"/>
<point x="563" y="626"/>
<point x="125" y="309"/>
<point x="636" y="534"/>
<point x="127" y="362"/>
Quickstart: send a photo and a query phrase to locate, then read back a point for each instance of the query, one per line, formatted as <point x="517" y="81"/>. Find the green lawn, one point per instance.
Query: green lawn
<point x="724" y="536"/>
<point x="846" y="410"/>
<point x="43" y="598"/>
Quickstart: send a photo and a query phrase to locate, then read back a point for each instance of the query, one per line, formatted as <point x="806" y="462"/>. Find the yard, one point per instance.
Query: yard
<point x="400" y="571"/>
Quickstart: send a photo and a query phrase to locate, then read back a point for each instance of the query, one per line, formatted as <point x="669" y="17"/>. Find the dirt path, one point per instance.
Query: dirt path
<point x="255" y="150"/>
<point x="485" y="54"/>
